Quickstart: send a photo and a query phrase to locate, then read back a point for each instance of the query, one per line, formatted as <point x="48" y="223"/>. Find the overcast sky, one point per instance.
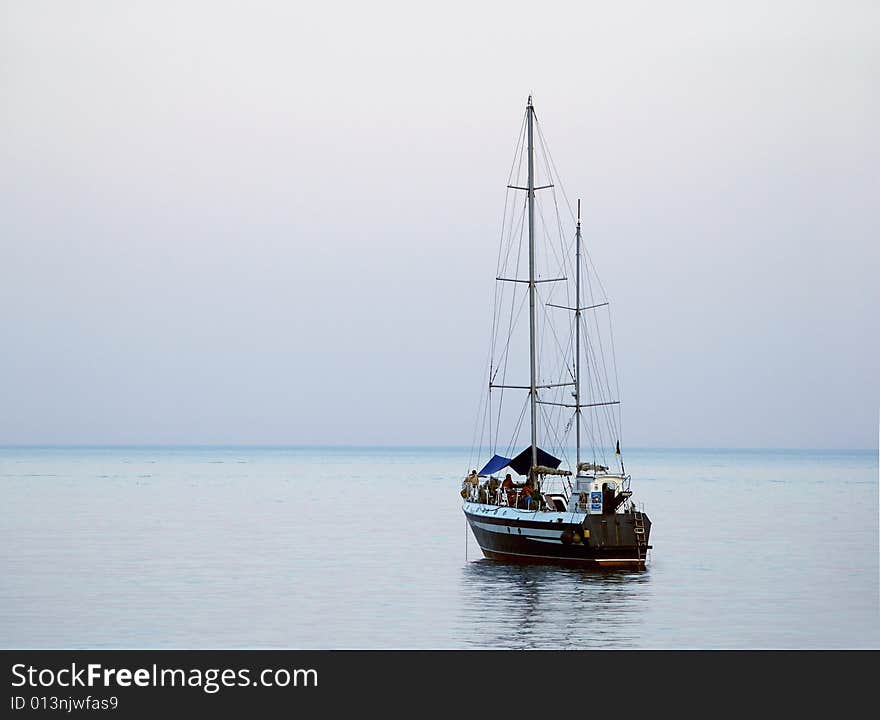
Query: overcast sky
<point x="277" y="222"/>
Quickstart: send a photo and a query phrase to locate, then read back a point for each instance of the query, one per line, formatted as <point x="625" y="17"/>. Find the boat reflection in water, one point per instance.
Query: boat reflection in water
<point x="524" y="607"/>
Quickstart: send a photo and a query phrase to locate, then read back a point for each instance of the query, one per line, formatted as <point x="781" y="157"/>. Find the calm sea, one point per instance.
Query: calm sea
<point x="229" y="547"/>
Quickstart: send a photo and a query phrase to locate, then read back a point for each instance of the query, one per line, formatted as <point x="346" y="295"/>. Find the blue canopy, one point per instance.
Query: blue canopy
<point x="494" y="465"/>
<point x="521" y="463"/>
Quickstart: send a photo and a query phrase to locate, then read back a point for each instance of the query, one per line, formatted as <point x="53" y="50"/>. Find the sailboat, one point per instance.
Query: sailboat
<point x="572" y="508"/>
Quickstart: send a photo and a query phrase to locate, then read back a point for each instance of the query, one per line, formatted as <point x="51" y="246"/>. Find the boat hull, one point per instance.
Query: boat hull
<point x="606" y="541"/>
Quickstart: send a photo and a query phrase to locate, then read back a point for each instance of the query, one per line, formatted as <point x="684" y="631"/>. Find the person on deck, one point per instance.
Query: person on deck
<point x="526" y="497"/>
<point x="483" y="493"/>
<point x="493" y="490"/>
<point x="507" y="488"/>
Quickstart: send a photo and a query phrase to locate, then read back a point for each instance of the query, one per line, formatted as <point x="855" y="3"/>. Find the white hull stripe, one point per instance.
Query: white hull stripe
<point x="501" y="511"/>
<point x="532" y="534"/>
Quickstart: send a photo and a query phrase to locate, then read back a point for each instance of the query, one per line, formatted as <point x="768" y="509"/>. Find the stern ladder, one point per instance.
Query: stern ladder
<point x="639" y="529"/>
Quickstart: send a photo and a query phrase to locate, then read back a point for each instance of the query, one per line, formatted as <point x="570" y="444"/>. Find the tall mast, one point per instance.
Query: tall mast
<point x="577" y="337"/>
<point x="532" y="360"/>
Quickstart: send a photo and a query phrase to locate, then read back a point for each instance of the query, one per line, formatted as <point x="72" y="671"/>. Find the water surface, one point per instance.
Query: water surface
<point x="224" y="547"/>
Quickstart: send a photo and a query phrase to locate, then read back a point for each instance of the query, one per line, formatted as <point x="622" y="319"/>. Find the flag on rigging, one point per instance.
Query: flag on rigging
<point x="617" y="449"/>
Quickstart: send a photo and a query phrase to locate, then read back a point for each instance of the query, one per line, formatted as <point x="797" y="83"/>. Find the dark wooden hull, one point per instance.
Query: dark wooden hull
<point x="606" y="541"/>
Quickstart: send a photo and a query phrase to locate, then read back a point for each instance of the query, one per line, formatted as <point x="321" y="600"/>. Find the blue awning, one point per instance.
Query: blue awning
<point x="521" y="463"/>
<point x="494" y="465"/>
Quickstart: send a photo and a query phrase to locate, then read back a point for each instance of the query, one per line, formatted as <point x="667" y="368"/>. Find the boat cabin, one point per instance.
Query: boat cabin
<point x="598" y="494"/>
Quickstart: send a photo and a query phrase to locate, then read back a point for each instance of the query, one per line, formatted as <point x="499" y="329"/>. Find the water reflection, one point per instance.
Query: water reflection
<point x="533" y="606"/>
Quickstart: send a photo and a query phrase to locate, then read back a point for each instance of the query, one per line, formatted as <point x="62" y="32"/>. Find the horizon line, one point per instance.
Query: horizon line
<point x="401" y="446"/>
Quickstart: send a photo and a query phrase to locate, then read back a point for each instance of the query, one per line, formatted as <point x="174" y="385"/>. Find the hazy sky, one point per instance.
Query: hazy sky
<point x="256" y="222"/>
